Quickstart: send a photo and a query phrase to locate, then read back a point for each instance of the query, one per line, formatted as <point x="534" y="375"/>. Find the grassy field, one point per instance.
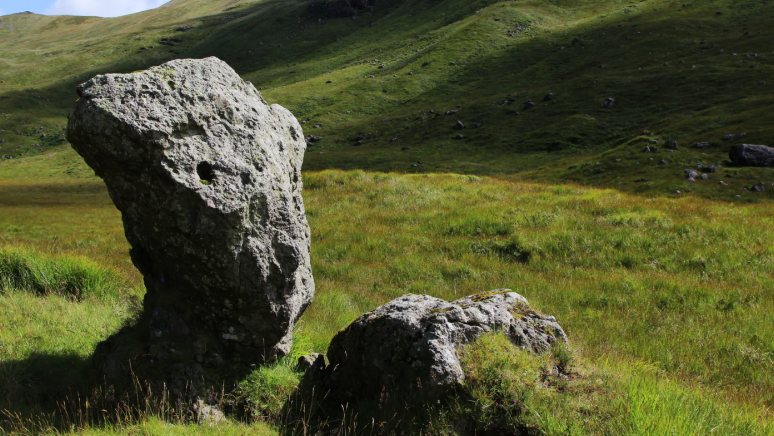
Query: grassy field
<point x="668" y="296"/>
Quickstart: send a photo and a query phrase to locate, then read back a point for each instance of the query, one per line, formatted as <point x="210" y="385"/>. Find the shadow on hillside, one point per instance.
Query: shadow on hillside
<point x="510" y="139"/>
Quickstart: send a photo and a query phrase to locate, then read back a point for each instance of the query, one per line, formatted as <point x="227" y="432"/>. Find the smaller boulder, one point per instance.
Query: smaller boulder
<point x="701" y="145"/>
<point x="548" y="97"/>
<point x="306" y="362"/>
<point x="671" y="144"/>
<point x="760" y="187"/>
<point x="691" y="174"/>
<point x="404" y="354"/>
<point x="459" y="125"/>
<point x="209" y="415"/>
<point x="529" y="104"/>
<point x="704" y="177"/>
<point x="752" y="155"/>
<point x="609" y="103"/>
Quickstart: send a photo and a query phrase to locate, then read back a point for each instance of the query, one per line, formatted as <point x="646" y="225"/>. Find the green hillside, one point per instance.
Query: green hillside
<point x="386" y="79"/>
<point x="666" y="296"/>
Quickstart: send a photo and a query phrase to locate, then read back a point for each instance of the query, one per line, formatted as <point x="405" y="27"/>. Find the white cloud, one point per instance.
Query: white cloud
<point x="101" y="8"/>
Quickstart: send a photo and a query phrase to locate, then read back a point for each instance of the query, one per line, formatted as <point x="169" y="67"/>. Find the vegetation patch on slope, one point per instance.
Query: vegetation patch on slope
<point x="385" y="90"/>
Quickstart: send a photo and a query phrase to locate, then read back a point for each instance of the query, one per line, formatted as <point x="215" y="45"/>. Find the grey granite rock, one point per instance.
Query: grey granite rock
<point x="690" y="174"/>
<point x="306" y="362"/>
<point x="405" y="352"/>
<point x="207" y="177"/>
<point x="750" y="155"/>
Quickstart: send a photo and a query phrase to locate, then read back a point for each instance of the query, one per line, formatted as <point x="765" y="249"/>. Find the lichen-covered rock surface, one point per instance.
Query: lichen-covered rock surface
<point x="405" y="352"/>
<point x="207" y="177"/>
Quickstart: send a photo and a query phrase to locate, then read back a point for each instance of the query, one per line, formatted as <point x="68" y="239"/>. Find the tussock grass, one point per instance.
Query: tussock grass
<point x="155" y="426"/>
<point x="665" y="294"/>
<point x="76" y="277"/>
<point x="53" y="312"/>
<point x="512" y="391"/>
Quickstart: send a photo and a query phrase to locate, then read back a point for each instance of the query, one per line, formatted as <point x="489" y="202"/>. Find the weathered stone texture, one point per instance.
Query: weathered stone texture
<point x="405" y="352"/>
<point x="207" y="177"/>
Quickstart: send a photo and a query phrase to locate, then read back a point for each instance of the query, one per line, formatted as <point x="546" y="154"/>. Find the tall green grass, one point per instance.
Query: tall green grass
<point x="672" y="284"/>
<point x="511" y="391"/>
<point x="77" y="277"/>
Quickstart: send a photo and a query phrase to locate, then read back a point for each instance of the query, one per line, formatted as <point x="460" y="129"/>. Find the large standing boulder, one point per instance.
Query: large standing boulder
<point x="207" y="177"/>
<point x="404" y="353"/>
<point x="750" y="155"/>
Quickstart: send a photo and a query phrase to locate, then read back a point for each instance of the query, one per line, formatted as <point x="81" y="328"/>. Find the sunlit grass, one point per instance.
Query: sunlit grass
<point x="677" y="285"/>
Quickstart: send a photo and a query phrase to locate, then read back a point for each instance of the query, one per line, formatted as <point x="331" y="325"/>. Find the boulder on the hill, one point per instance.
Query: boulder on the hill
<point x="671" y="144"/>
<point x="750" y="155"/>
<point x="207" y="177"/>
<point x="405" y="352"/>
<point x="690" y="174"/>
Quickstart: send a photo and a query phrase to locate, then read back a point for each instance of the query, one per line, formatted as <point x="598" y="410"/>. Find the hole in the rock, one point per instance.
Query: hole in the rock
<point x="206" y="174"/>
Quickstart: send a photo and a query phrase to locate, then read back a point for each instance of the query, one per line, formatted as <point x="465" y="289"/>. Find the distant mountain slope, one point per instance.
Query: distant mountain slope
<point x="381" y="83"/>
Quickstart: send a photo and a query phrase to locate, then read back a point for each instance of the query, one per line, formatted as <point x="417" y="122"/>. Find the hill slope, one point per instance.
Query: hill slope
<point x="386" y="79"/>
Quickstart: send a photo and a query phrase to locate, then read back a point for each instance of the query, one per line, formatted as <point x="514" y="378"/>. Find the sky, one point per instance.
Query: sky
<point x="100" y="8"/>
